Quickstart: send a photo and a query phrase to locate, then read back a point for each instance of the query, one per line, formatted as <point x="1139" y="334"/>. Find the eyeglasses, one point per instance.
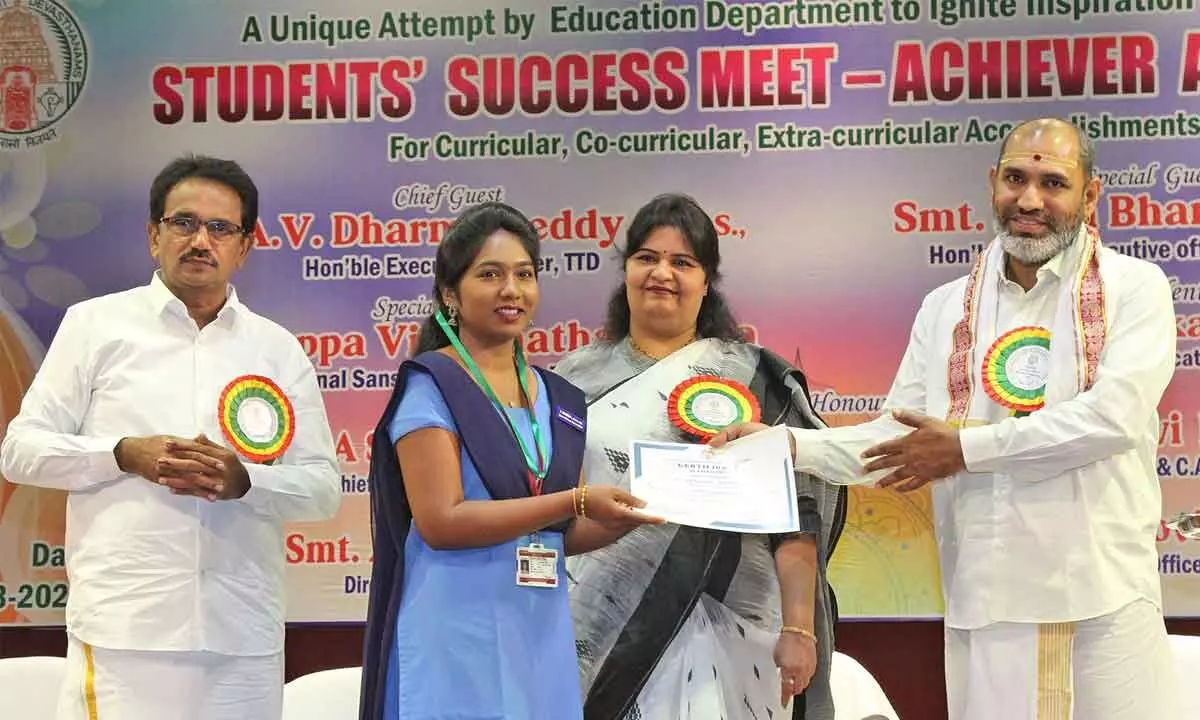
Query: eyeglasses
<point x="188" y="225"/>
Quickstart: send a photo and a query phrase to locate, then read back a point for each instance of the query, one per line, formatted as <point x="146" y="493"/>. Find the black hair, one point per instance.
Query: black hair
<point x="458" y="250"/>
<point x="226" y="172"/>
<point x="715" y="319"/>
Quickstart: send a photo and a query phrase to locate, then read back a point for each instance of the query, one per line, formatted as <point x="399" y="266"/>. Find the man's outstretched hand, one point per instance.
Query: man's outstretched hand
<point x="932" y="451"/>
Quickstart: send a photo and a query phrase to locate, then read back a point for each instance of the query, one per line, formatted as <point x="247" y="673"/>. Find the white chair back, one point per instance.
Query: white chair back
<point x="856" y="693"/>
<point x="323" y="695"/>
<point x="30" y="686"/>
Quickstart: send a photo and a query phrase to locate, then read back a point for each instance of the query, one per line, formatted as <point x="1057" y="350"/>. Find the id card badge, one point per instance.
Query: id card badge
<point x="537" y="566"/>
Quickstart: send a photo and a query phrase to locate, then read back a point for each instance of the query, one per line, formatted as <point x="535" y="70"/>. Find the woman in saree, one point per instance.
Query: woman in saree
<point x="677" y="622"/>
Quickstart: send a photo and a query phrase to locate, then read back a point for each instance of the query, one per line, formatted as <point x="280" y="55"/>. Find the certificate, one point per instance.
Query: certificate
<point x="746" y="486"/>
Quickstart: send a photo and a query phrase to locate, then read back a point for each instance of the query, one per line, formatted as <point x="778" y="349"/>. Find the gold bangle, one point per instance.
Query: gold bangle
<point x="800" y="631"/>
<point x="583" y="501"/>
<point x="575" y="501"/>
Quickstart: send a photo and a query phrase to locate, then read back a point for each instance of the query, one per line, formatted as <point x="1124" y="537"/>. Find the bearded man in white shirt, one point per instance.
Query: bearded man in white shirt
<point x="1028" y="395"/>
<point x="186" y="430"/>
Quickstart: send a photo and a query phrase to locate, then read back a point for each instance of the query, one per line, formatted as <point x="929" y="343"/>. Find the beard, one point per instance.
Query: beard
<point x="1037" y="249"/>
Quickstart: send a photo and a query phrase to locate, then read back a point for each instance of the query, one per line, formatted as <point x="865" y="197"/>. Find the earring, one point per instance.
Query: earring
<point x="452" y="316"/>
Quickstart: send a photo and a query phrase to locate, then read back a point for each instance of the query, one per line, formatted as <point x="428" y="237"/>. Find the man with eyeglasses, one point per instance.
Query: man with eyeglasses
<point x="186" y="430"/>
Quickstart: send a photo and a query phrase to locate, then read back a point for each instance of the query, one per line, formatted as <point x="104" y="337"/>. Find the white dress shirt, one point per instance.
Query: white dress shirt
<point x="1055" y="517"/>
<point x="150" y="570"/>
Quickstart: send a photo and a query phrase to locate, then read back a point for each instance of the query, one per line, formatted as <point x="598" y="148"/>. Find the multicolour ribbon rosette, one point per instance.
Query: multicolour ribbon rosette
<point x="705" y="405"/>
<point x="256" y="417"/>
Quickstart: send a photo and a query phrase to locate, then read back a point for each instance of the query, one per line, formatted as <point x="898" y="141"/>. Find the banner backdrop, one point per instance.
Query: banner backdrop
<point x="841" y="146"/>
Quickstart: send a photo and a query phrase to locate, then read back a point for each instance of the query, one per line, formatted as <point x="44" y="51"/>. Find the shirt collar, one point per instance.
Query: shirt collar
<point x="161" y="298"/>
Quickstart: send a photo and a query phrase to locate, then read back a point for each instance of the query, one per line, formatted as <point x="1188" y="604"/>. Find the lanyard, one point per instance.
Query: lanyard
<point x="535" y="461"/>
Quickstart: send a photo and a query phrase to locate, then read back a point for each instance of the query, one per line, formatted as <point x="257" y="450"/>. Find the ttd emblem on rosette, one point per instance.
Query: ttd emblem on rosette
<point x="1015" y="369"/>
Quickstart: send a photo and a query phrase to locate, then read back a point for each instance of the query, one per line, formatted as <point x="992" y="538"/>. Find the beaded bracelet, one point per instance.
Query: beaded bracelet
<point x="579" y="501"/>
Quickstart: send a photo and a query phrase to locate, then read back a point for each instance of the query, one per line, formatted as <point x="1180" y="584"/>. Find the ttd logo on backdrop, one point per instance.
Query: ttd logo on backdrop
<point x="43" y="68"/>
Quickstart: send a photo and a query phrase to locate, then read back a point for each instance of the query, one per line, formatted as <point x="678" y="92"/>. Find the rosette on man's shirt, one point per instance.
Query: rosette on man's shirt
<point x="256" y="417"/>
<point x="1015" y="369"/>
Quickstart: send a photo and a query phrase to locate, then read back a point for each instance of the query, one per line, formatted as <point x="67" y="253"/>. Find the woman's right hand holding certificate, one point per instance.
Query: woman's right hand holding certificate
<point x="733" y="432"/>
<point x="611" y="506"/>
<point x="604" y="514"/>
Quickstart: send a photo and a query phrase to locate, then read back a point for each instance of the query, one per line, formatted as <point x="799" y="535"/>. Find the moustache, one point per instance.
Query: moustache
<point x="1013" y="214"/>
<point x="200" y="256"/>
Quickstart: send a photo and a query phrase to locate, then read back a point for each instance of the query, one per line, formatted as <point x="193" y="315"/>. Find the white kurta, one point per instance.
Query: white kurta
<point x="1056" y="516"/>
<point x="149" y="570"/>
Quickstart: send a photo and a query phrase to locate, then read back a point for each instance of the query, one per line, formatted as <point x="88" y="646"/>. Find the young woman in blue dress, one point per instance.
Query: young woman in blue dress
<point x="477" y="498"/>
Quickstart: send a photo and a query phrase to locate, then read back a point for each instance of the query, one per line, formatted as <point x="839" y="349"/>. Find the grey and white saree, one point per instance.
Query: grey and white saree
<point x="676" y="622"/>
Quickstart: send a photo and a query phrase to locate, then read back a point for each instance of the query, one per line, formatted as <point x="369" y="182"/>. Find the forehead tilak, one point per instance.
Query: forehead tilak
<point x="1040" y="159"/>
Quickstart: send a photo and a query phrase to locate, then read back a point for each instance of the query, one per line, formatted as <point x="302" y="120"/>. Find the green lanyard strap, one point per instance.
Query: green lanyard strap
<point x="537" y="461"/>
